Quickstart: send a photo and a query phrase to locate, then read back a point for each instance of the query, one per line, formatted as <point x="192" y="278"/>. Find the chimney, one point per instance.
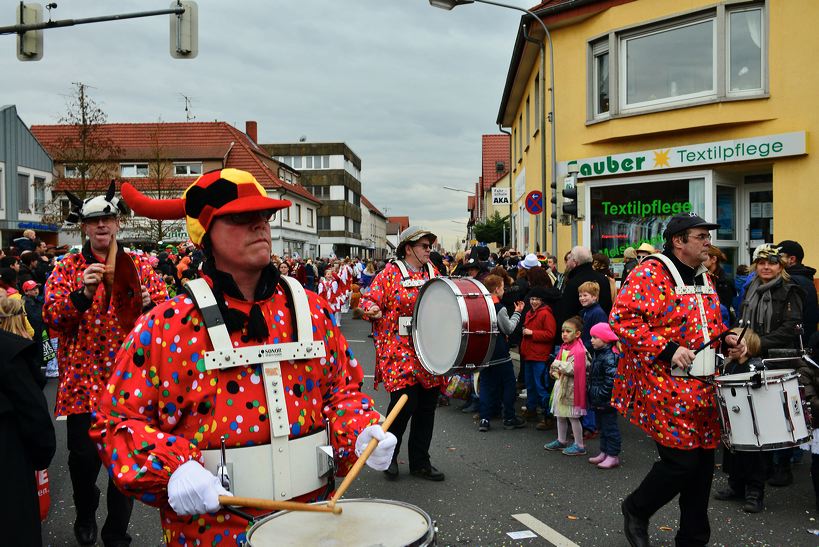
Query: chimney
<point x="250" y="129"/>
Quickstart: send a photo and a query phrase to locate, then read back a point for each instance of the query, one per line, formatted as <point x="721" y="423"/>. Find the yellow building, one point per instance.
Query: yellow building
<point x="662" y="107"/>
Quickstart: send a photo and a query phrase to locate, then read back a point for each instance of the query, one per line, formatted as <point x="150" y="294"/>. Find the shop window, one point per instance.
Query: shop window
<point x="727" y="213"/>
<point x="711" y="55"/>
<point x="628" y="215"/>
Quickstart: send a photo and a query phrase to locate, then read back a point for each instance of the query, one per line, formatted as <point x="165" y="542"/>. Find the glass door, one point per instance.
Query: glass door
<point x="758" y="204"/>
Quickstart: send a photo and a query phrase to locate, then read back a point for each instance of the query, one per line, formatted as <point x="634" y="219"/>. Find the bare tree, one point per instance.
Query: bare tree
<point x="89" y="158"/>
<point x="158" y="184"/>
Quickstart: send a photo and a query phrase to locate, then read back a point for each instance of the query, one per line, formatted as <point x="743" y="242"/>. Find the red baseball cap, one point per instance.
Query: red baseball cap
<point x="28" y="285"/>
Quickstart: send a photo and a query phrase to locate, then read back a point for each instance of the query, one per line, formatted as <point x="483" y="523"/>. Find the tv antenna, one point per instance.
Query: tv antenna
<point x="188" y="109"/>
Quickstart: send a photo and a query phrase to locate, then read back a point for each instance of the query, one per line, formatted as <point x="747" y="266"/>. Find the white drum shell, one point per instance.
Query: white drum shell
<point x="362" y="522"/>
<point x="768" y="417"/>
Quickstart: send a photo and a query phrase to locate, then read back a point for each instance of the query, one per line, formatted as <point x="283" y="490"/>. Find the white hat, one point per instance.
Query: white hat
<point x="529" y="262"/>
<point x="414" y="233"/>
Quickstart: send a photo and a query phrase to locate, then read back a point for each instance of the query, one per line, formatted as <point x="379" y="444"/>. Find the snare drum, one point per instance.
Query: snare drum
<point x="361" y="522"/>
<point x="454" y="325"/>
<point x="762" y="410"/>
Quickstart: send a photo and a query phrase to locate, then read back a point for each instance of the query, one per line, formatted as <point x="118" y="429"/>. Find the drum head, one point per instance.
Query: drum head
<point x="362" y="522"/>
<point x="745" y="377"/>
<point x="437" y="327"/>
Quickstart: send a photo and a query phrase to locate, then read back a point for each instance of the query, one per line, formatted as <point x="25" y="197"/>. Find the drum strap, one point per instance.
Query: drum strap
<point x="697" y="290"/>
<point x="269" y="356"/>
<point x="405" y="275"/>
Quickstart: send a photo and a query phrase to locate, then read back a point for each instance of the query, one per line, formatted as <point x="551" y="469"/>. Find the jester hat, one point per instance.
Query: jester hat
<point x="216" y="193"/>
<point x="108" y="205"/>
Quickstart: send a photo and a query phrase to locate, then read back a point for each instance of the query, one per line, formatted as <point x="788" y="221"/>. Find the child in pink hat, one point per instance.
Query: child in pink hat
<point x="602" y="370"/>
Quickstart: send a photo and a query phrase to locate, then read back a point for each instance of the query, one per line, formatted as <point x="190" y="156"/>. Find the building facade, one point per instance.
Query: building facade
<point x="374" y="230"/>
<point x="697" y="106"/>
<point x="332" y="172"/>
<point x="163" y="159"/>
<point x="25" y="179"/>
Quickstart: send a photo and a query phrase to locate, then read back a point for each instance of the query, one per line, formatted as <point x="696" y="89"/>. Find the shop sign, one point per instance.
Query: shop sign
<point x="755" y="148"/>
<point x="500" y="196"/>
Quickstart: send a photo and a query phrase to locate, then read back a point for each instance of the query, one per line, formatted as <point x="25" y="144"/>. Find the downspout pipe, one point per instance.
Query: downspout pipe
<point x="509" y="172"/>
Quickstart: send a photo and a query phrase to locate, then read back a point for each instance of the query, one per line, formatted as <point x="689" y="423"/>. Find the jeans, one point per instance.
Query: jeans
<point x="497" y="385"/>
<point x="84" y="466"/>
<point x="420" y="408"/>
<point x="610" y="439"/>
<point x="537" y="394"/>
<point x="688" y="473"/>
<point x="589" y="421"/>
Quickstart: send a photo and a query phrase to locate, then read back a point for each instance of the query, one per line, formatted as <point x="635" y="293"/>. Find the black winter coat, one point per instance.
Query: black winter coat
<point x="787" y="300"/>
<point x="803" y="276"/>
<point x="601" y="373"/>
<point x="569" y="304"/>
<point x="27" y="440"/>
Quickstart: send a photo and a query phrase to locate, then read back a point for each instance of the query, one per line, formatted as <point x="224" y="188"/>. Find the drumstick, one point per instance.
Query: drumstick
<point x="272" y="505"/>
<point x="711" y="341"/>
<point x="108" y="275"/>
<point x="367" y="451"/>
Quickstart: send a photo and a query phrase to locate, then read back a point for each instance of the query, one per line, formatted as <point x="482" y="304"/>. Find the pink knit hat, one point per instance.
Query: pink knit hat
<point x="603" y="332"/>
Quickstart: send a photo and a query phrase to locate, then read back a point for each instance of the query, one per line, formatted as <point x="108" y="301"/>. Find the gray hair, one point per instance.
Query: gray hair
<point x="581" y="255"/>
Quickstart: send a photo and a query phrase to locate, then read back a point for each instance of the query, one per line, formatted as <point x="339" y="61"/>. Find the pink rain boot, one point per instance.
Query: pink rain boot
<point x="609" y="463"/>
<point x="598" y="459"/>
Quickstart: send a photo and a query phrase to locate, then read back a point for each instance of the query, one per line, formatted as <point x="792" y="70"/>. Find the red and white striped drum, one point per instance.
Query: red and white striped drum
<point x="454" y="325"/>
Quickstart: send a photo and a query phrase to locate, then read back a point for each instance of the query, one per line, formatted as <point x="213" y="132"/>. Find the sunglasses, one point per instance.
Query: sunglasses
<point x="243" y="219"/>
<point x="424" y="246"/>
<point x="773" y="259"/>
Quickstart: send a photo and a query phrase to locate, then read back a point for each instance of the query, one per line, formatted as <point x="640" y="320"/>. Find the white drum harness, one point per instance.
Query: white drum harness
<point x="285" y="468"/>
<point x="405" y="322"/>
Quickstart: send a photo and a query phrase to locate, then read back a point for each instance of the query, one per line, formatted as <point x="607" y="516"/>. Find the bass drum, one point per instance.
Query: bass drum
<point x="361" y="522"/>
<point x="454" y="325"/>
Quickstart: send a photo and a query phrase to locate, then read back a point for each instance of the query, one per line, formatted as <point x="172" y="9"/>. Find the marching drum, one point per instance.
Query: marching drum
<point x="454" y="325"/>
<point x="762" y="410"/>
<point x="362" y="522"/>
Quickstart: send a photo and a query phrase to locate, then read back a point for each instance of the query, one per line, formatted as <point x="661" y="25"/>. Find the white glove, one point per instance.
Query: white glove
<point x="193" y="490"/>
<point x="381" y="457"/>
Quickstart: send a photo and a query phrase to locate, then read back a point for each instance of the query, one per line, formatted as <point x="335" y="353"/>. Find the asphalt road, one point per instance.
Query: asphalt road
<point x="492" y="476"/>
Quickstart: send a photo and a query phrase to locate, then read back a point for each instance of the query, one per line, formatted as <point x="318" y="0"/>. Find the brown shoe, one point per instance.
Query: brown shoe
<point x="530" y="415"/>
<point x="545" y="424"/>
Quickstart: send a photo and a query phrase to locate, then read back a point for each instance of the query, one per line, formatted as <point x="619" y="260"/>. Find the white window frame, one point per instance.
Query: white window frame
<point x="136" y="166"/>
<point x="71" y="172"/>
<point x="309" y="217"/>
<point x="187" y="165"/>
<point x="614" y="42"/>
<point x="298" y="213"/>
<point x="39" y="185"/>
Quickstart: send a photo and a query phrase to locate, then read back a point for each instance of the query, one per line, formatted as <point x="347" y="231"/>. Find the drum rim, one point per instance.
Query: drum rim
<point x="415" y="324"/>
<point x="427" y="539"/>
<point x="779" y="376"/>
<point x="765" y="447"/>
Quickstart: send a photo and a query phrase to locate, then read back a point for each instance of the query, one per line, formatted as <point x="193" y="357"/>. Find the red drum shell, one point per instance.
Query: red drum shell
<point x="441" y="344"/>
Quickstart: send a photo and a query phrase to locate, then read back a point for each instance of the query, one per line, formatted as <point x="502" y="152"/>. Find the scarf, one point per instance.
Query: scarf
<point x="758" y="304"/>
<point x="236" y="320"/>
<point x="578" y="351"/>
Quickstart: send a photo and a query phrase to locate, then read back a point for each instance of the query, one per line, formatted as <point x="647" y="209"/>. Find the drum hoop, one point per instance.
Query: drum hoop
<point x="424" y="540"/>
<point x="771" y="446"/>
<point x="464" y="323"/>
<point x="774" y="379"/>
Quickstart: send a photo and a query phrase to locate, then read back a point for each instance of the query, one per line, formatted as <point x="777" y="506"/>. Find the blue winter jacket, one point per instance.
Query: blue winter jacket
<point x="601" y="374"/>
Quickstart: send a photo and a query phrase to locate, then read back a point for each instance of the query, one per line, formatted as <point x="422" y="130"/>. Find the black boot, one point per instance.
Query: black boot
<point x="753" y="501"/>
<point x="85" y="530"/>
<point x="634" y="528"/>
<point x="85" y="525"/>
<point x="782" y="475"/>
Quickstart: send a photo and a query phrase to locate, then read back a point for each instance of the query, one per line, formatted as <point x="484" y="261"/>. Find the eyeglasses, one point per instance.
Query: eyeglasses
<point x="243" y="219"/>
<point x="701" y="237"/>
<point x="424" y="246"/>
<point x="773" y="259"/>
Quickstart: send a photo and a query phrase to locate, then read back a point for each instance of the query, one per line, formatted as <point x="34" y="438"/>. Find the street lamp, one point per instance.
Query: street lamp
<point x="448" y="5"/>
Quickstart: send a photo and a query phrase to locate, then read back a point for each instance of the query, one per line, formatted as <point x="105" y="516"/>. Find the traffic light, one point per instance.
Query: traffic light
<point x="557" y="202"/>
<point x="30" y="43"/>
<point x="573" y="205"/>
<point x="185" y="30"/>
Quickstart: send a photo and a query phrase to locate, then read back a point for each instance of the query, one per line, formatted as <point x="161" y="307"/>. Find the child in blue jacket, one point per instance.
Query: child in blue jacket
<point x="601" y="372"/>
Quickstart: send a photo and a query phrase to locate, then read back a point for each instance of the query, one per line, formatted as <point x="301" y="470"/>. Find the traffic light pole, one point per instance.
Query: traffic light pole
<point x="20" y="29"/>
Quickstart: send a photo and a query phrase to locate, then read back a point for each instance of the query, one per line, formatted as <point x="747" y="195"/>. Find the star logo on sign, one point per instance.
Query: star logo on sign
<point x="661" y="158"/>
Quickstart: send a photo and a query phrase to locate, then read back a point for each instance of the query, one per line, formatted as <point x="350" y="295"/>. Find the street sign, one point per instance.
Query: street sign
<point x="500" y="196"/>
<point x="534" y="202"/>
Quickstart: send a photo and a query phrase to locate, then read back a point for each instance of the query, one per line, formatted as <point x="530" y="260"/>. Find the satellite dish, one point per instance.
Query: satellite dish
<point x="303" y="138"/>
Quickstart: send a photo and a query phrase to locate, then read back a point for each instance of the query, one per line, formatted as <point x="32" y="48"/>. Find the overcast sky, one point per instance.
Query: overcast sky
<point x="408" y="87"/>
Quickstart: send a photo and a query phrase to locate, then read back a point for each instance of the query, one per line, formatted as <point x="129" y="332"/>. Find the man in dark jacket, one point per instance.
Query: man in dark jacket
<point x="579" y="266"/>
<point x="27" y="440"/>
<point x="792" y="256"/>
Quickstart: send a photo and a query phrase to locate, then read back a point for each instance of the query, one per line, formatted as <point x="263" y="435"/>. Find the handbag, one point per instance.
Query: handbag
<point x="459" y="387"/>
<point x="43" y="492"/>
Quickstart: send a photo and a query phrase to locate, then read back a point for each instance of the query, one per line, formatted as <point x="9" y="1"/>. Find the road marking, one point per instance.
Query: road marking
<point x="61" y="418"/>
<point x="369" y="376"/>
<point x="357" y="341"/>
<point x="550" y="535"/>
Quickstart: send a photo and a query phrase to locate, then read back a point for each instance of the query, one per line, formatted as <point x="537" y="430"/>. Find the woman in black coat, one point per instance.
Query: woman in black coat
<point x="27" y="441"/>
